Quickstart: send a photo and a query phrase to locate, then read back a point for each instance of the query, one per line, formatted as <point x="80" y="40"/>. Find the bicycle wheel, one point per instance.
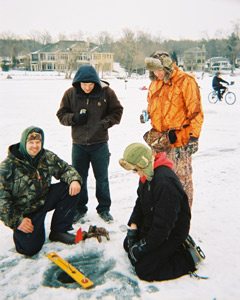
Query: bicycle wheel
<point x="212" y="97"/>
<point x="230" y="98"/>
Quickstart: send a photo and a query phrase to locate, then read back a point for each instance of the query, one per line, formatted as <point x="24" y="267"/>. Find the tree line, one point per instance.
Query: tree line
<point x="131" y="48"/>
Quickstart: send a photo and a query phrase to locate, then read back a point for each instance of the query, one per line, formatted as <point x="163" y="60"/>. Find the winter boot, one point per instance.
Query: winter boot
<point x="106" y="216"/>
<point x="63" y="237"/>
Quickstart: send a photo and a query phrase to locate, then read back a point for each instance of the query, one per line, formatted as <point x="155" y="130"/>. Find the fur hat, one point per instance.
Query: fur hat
<point x="140" y="157"/>
<point x="159" y="61"/>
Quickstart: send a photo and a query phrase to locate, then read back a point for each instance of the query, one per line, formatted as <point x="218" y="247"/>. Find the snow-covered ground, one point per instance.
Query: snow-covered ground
<point x="33" y="100"/>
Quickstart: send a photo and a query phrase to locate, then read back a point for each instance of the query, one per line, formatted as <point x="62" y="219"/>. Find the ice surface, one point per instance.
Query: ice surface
<point x="33" y="99"/>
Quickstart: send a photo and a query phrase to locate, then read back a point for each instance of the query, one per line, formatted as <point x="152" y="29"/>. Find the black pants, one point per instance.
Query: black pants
<point x="65" y="205"/>
<point x="220" y="91"/>
<point x="169" y="261"/>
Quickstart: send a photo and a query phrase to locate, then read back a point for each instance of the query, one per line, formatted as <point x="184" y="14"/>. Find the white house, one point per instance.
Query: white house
<point x="220" y="64"/>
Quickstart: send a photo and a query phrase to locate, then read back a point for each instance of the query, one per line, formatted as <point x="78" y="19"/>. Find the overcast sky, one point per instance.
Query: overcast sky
<point x="171" y="19"/>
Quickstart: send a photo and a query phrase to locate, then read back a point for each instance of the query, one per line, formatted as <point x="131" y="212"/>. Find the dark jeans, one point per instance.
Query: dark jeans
<point x="98" y="155"/>
<point x="65" y="205"/>
<point x="220" y="91"/>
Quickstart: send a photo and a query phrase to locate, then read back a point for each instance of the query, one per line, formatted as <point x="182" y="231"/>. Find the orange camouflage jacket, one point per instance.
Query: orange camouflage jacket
<point x="176" y="105"/>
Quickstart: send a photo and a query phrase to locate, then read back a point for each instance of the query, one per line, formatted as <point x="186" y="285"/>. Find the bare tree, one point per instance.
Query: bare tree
<point x="62" y="37"/>
<point x="233" y="46"/>
<point x="237" y="29"/>
<point x="45" y="37"/>
<point x="8" y="35"/>
<point x="35" y="36"/>
<point x="126" y="51"/>
<point x="77" y="36"/>
<point x="105" y="40"/>
<point x="73" y="55"/>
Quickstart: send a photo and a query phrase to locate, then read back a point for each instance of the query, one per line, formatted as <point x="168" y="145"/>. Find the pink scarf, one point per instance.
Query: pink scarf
<point x="160" y="160"/>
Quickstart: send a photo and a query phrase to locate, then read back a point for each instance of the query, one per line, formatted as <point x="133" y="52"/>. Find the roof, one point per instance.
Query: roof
<point x="193" y="50"/>
<point x="64" y="46"/>
<point x="218" y="59"/>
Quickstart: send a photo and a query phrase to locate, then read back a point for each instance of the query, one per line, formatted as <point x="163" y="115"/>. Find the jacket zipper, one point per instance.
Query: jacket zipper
<point x="39" y="176"/>
<point x="87" y="124"/>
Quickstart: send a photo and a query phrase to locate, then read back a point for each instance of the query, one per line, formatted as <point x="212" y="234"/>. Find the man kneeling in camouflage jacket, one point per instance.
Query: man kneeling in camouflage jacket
<point x="26" y="193"/>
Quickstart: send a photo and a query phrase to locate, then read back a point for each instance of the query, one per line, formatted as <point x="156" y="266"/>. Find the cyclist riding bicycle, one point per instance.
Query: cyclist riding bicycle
<point x="217" y="86"/>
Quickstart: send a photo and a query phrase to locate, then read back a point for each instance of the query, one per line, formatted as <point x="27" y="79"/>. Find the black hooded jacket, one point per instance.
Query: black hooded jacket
<point x="103" y="108"/>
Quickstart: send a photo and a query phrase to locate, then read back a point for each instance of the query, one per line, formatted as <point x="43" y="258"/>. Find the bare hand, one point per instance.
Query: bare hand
<point x="74" y="188"/>
<point x="133" y="226"/>
<point x="26" y="225"/>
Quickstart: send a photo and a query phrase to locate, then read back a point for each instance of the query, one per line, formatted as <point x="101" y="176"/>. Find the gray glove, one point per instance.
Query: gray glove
<point x="192" y="145"/>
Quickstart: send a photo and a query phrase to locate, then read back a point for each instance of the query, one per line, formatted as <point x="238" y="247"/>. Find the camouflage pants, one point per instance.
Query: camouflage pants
<point x="159" y="142"/>
<point x="183" y="169"/>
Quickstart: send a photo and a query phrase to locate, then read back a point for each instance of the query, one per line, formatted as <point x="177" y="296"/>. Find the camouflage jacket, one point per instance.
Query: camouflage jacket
<point x="24" y="188"/>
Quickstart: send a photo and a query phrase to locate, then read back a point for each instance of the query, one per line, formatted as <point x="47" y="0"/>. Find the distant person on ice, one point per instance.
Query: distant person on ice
<point x="158" y="242"/>
<point x="217" y="86"/>
<point x="91" y="107"/>
<point x="176" y="114"/>
<point x="26" y="193"/>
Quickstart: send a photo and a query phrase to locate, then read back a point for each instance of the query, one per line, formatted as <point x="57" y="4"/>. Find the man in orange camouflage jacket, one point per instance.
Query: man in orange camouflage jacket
<point x="175" y="110"/>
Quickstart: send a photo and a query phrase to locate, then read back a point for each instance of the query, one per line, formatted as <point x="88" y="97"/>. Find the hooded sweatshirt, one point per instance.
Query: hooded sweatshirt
<point x="87" y="74"/>
<point x="22" y="146"/>
<point x="102" y="105"/>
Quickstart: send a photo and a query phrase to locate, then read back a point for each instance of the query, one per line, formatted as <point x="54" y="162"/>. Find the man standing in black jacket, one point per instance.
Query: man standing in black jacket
<point x="158" y="241"/>
<point x="91" y="107"/>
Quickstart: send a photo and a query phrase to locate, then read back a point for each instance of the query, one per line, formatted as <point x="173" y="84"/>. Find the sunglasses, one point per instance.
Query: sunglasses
<point x="134" y="170"/>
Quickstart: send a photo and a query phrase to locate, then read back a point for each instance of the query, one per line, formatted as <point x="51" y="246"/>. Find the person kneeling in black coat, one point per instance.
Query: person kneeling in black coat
<point x="158" y="242"/>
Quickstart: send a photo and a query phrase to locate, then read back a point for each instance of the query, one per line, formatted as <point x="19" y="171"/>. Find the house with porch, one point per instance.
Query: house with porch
<point x="67" y="56"/>
<point x="220" y="64"/>
<point x="194" y="59"/>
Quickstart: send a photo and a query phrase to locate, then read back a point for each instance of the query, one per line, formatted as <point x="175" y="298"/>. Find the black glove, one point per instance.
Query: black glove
<point x="131" y="239"/>
<point x="137" y="251"/>
<point x="81" y="117"/>
<point x="192" y="145"/>
<point x="172" y="136"/>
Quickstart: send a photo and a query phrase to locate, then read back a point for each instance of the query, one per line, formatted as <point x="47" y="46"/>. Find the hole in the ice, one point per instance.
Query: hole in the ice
<point x="93" y="265"/>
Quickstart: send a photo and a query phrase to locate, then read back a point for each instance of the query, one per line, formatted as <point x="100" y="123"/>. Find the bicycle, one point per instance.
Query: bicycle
<point x="229" y="97"/>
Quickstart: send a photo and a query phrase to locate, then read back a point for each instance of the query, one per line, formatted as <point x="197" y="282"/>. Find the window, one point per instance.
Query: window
<point x="34" y="57"/>
<point x="51" y="57"/>
<point x="64" y="56"/>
